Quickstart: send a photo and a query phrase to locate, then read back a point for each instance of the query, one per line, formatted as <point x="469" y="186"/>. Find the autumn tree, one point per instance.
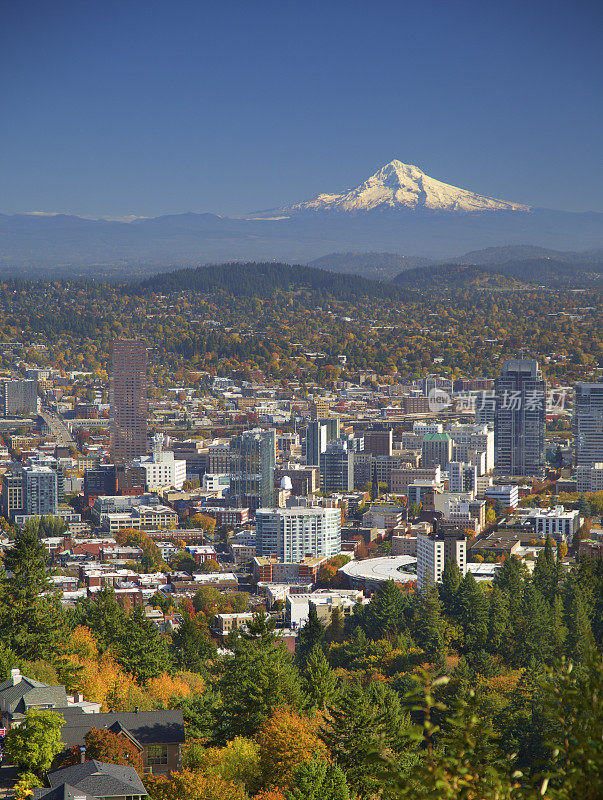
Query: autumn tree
<point x="188" y="785"/>
<point x="108" y="746"/>
<point x="286" y="739"/>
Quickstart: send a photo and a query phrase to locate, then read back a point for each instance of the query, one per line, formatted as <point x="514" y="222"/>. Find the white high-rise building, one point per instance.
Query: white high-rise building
<point x="161" y="468"/>
<point x="433" y="550"/>
<point x="473" y="438"/>
<point x="293" y="533"/>
<point x="462" y="477"/>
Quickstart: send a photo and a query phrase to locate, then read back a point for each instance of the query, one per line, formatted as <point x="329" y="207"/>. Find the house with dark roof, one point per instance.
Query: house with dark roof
<point x="92" y="780"/>
<point x="158" y="735"/>
<point x="19" y="694"/>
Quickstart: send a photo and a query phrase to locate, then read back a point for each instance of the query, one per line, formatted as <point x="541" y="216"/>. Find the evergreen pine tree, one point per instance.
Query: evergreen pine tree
<point x="355" y="649"/>
<point x="511" y="578"/>
<point x="319" y="680"/>
<point x="143" y="651"/>
<point x="316" y="779"/>
<point x="260" y="628"/>
<point x="360" y="725"/>
<point x="428" y="625"/>
<point x="546" y="572"/>
<point x="498" y="622"/>
<point x="384" y="616"/>
<point x="31" y="624"/>
<point x="192" y="644"/>
<point x="310" y="635"/>
<point x="579" y="634"/>
<point x="335" y="630"/>
<point x="451" y="580"/>
<point x="472" y="607"/>
<point x="103" y="615"/>
<point x="532" y="629"/>
<point x="258" y="677"/>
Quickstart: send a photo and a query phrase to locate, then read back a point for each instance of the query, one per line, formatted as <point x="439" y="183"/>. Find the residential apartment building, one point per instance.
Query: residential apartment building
<point x="436" y="450"/>
<point x="19" y="397"/>
<point x="433" y="550"/>
<point x="40" y="491"/>
<point x="462" y="477"/>
<point x="556" y="522"/>
<point x="508" y="495"/>
<point x="402" y="477"/>
<point x="294" y="533"/>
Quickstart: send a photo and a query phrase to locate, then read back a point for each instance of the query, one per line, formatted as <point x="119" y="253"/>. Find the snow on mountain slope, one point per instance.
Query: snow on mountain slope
<point x="403" y="186"/>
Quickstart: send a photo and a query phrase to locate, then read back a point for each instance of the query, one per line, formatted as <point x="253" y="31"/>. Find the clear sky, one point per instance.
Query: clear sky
<point x="117" y="107"/>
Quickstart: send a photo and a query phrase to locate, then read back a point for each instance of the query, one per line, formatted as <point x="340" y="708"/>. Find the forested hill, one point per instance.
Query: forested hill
<point x="262" y="279"/>
<point x="583" y="270"/>
<point x="456" y="276"/>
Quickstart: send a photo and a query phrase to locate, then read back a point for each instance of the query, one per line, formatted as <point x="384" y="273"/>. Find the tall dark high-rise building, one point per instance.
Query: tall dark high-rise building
<point x="129" y="390"/>
<point x="519" y="419"/>
<point x="320" y="432"/>
<point x="378" y="441"/>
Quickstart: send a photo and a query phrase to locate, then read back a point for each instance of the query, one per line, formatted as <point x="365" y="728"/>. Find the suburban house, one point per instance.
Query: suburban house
<point x="158" y="735"/>
<point x="92" y="780"/>
<point x="19" y="694"/>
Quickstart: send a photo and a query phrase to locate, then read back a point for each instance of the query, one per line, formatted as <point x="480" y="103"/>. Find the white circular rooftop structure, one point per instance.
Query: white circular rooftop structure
<point x="401" y="569"/>
<point x="286" y="484"/>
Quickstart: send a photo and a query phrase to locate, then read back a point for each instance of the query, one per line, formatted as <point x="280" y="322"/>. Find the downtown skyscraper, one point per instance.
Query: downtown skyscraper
<point x="129" y="399"/>
<point x="252" y="463"/>
<point x="588" y="424"/>
<point x="519" y="418"/>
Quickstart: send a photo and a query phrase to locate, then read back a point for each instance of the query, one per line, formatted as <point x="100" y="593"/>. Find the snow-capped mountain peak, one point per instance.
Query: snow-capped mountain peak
<point x="403" y="186"/>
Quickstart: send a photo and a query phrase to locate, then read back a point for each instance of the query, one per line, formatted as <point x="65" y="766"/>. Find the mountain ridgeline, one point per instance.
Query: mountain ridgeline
<point x="262" y="279"/>
<point x="398" y="209"/>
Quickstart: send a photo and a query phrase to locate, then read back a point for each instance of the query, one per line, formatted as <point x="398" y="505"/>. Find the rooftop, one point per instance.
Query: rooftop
<point x="387" y="568"/>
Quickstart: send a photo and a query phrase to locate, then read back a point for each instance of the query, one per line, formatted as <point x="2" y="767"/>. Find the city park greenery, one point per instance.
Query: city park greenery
<point x="460" y="690"/>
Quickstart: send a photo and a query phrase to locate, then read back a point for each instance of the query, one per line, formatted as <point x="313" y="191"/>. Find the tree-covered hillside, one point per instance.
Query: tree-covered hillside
<point x="264" y="278"/>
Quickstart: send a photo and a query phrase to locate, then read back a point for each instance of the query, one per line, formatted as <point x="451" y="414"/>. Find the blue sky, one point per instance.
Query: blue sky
<point x="142" y="107"/>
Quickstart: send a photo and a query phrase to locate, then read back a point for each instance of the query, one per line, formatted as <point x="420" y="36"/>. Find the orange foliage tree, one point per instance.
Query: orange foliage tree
<point x="104" y="745"/>
<point x="286" y="739"/>
<point x="188" y="785"/>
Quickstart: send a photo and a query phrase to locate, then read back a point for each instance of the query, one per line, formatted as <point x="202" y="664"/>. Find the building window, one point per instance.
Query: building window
<point x="157" y="754"/>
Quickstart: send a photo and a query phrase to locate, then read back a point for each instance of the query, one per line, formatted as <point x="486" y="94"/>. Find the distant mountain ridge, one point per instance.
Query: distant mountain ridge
<point x="398" y="209"/>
